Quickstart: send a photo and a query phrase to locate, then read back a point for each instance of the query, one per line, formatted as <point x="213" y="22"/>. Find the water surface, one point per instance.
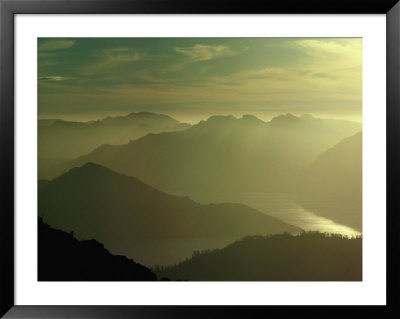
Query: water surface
<point x="286" y="207"/>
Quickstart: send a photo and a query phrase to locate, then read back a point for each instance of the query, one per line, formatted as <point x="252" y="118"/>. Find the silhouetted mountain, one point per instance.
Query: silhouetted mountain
<point x="96" y="202"/>
<point x="61" y="257"/>
<point x="285" y="120"/>
<point x="336" y="175"/>
<point x="42" y="183"/>
<point x="222" y="153"/>
<point x="47" y="164"/>
<point x="46" y="122"/>
<point x="60" y="139"/>
<point x="307" y="257"/>
<point x="336" y="172"/>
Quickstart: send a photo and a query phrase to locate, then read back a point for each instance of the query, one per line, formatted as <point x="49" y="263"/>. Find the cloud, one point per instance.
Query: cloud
<point x="53" y="78"/>
<point x="337" y="53"/>
<point x="203" y="52"/>
<point x="301" y="75"/>
<point x="345" y="47"/>
<point x="55" y="45"/>
<point x="112" y="57"/>
<point x="121" y="55"/>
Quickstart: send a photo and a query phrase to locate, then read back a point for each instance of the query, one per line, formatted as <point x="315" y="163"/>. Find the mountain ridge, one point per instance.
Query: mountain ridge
<point x="309" y="256"/>
<point x="113" y="207"/>
<point x="221" y="153"/>
<point x="335" y="176"/>
<point x="61" y="257"/>
<point x="69" y="139"/>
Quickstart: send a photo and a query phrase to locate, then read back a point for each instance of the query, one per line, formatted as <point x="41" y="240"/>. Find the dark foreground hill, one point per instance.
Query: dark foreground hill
<point x="307" y="257"/>
<point x="96" y="202"/>
<point x="61" y="257"/>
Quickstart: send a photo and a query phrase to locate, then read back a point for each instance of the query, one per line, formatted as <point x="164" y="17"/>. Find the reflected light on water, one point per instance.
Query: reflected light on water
<point x="280" y="205"/>
<point x="312" y="222"/>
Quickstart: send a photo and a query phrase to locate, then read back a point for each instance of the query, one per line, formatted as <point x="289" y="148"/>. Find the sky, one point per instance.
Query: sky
<point x="193" y="78"/>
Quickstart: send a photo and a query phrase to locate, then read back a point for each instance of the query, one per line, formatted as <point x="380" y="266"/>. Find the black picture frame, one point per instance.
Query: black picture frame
<point x="9" y="8"/>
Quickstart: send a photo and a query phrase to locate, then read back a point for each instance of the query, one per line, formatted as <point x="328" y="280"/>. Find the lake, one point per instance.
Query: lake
<point x="285" y="207"/>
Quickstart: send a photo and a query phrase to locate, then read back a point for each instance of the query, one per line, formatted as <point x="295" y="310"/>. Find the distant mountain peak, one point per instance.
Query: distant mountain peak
<point x="288" y="118"/>
<point x="220" y="118"/>
<point x="140" y="116"/>
<point x="145" y="114"/>
<point x="251" y="119"/>
<point x="216" y="120"/>
<point x="91" y="165"/>
<point x="87" y="167"/>
<point x="248" y="118"/>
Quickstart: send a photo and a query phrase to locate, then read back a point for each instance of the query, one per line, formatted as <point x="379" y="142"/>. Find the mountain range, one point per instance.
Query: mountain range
<point x="122" y="194"/>
<point x="61" y="140"/>
<point x="95" y="202"/>
<point x="335" y="176"/>
<point x="223" y="153"/>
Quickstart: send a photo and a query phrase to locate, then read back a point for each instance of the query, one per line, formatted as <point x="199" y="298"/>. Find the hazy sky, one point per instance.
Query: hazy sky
<point x="193" y="78"/>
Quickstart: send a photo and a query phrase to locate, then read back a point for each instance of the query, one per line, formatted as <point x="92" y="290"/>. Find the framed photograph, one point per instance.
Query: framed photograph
<point x="166" y="159"/>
